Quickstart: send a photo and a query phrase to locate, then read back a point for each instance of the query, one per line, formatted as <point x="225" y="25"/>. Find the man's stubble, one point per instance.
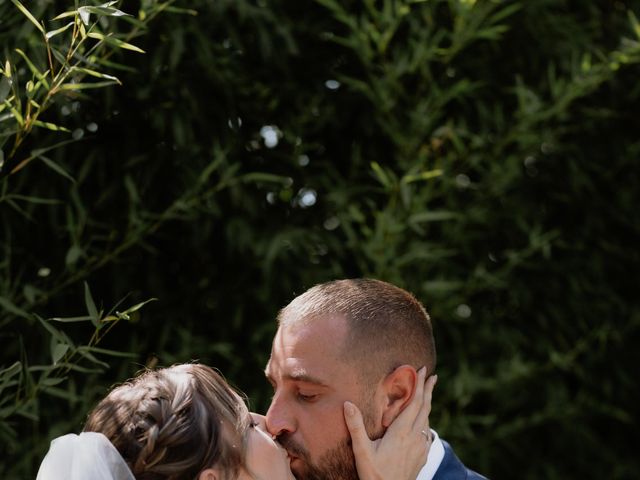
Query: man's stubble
<point x="336" y="464"/>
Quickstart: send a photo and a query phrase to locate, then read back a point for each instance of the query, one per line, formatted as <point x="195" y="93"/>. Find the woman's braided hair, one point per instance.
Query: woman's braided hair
<point x="173" y="423"/>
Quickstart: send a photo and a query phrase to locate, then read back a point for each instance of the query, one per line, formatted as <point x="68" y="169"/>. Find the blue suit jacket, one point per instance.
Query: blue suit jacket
<point x="452" y="468"/>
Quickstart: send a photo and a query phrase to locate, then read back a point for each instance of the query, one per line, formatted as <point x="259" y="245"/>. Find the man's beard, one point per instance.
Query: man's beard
<point x="336" y="464"/>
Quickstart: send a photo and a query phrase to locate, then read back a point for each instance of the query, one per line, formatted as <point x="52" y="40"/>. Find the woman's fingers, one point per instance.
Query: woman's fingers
<point x="361" y="444"/>
<point x="422" y="419"/>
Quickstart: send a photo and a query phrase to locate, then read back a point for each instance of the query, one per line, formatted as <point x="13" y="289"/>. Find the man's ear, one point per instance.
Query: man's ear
<point x="398" y="389"/>
<point x="209" y="474"/>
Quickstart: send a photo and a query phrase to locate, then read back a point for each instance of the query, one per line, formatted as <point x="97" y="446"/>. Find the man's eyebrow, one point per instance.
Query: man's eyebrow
<point x="301" y="375"/>
<point x="298" y="375"/>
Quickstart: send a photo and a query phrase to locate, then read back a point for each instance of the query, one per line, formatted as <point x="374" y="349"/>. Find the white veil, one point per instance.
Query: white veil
<point x="89" y="455"/>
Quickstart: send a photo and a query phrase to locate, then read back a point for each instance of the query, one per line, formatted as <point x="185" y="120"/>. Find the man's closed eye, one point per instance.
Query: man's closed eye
<point x="307" y="398"/>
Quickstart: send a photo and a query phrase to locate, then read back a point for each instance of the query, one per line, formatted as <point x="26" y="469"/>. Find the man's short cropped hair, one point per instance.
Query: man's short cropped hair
<point x="388" y="326"/>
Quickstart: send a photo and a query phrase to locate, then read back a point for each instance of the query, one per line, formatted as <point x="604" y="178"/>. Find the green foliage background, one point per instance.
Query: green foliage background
<point x="482" y="154"/>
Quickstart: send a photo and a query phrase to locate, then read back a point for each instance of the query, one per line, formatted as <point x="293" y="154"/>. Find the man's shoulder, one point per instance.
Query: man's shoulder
<point x="452" y="468"/>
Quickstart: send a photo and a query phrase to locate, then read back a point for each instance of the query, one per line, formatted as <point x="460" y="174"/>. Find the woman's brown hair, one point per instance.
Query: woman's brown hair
<point x="173" y="423"/>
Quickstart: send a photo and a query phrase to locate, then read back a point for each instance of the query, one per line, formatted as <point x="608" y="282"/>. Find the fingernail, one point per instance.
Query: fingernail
<point x="349" y="409"/>
<point x="422" y="370"/>
<point x="435" y="379"/>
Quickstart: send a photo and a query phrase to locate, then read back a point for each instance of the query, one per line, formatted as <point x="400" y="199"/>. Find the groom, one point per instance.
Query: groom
<point x="359" y="340"/>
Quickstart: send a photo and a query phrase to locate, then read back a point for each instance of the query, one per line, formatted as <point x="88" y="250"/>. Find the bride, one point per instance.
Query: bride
<point x="186" y="423"/>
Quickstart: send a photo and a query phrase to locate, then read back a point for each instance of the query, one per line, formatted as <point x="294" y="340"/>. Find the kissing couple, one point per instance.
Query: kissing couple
<point x="352" y="369"/>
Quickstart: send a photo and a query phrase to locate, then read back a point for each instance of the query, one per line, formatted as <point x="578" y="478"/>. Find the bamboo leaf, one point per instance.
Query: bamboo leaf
<point x="634" y="22"/>
<point x="433" y="216"/>
<point x="73" y="255"/>
<point x="84" y="318"/>
<point x="115" y="65"/>
<point x="112" y="353"/>
<point x="34" y="200"/>
<point x="84" y="16"/>
<point x="31" y="293"/>
<point x="70" y="13"/>
<point x="91" y="306"/>
<point x="184" y="11"/>
<point x="105" y="11"/>
<point x="209" y="169"/>
<point x="7" y="412"/>
<point x="506" y="12"/>
<point x="52" y="382"/>
<point x="57" y="168"/>
<point x="39" y="151"/>
<point x="5" y="87"/>
<point x="16" y="114"/>
<point x="85" y="86"/>
<point x="58" y="351"/>
<point x="28" y="14"/>
<point x="138" y="306"/>
<point x="86" y="353"/>
<point x="49" y="35"/>
<point x="78" y="368"/>
<point x="11" y="370"/>
<point x="62" y="394"/>
<point x="114" y="41"/>
<point x="18" y="209"/>
<point x="29" y="87"/>
<point x="50" y="126"/>
<point x="428" y="175"/>
<point x="9" y="306"/>
<point x="380" y="174"/>
<point x="492" y="33"/>
<point x="54" y="332"/>
<point x="264" y="177"/>
<point x="93" y="73"/>
<point x="58" y="55"/>
<point x="23" y="412"/>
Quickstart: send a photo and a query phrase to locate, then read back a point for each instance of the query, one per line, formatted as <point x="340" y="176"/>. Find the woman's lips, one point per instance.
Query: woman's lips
<point x="293" y="460"/>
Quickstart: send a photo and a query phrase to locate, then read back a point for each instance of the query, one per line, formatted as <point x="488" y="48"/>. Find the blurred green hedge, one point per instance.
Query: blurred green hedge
<point x="482" y="154"/>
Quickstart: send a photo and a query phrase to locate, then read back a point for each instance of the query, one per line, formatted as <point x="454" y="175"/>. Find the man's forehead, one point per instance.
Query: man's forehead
<point x="313" y="326"/>
<point x="307" y="349"/>
<point x="324" y="336"/>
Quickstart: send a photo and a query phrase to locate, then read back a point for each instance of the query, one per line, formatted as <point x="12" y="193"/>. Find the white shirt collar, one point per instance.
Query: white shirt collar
<point x="434" y="459"/>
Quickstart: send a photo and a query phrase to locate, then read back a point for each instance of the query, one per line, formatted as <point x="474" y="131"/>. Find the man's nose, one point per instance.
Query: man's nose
<point x="279" y="419"/>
